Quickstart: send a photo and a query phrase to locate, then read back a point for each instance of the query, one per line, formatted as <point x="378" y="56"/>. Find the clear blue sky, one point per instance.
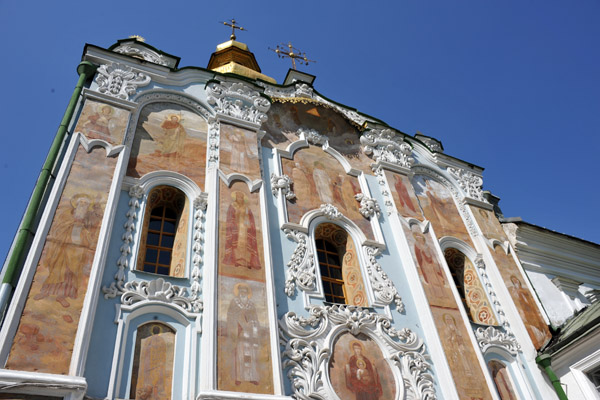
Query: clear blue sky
<point x="512" y="86"/>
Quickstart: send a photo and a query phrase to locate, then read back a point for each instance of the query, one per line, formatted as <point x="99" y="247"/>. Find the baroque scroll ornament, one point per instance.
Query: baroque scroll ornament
<point x="385" y="145"/>
<point x="308" y="349"/>
<point x="144" y="54"/>
<point x="120" y="80"/>
<point x="491" y="336"/>
<point x="383" y="287"/>
<point x="468" y="182"/>
<point x="200" y="205"/>
<point x="301" y="267"/>
<point x="283" y="183"/>
<point x="159" y="290"/>
<point x="368" y="205"/>
<point x="239" y="101"/>
<point x="135" y="194"/>
<point x="331" y="212"/>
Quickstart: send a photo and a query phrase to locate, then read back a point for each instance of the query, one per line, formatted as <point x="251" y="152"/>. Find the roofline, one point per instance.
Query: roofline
<point x="519" y="221"/>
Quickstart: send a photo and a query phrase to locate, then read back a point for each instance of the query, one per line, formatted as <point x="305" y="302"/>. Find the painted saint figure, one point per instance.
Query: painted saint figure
<point x="404" y="196"/>
<point x="458" y="361"/>
<point x="531" y="316"/>
<point x="361" y="376"/>
<point x="70" y="257"/>
<point x="243" y="332"/>
<point x="241" y="248"/>
<point x="98" y="124"/>
<point x="433" y="275"/>
<point x="173" y="142"/>
<point x="323" y="183"/>
<point x="152" y="378"/>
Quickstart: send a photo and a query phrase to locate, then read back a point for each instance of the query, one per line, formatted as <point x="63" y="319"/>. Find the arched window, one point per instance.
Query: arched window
<point x="469" y="287"/>
<point x="164" y="233"/>
<point x="340" y="270"/>
<point x="152" y="371"/>
<point x="502" y="380"/>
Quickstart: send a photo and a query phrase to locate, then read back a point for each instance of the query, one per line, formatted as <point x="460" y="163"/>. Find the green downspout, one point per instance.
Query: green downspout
<point x="544" y="361"/>
<point x="85" y="71"/>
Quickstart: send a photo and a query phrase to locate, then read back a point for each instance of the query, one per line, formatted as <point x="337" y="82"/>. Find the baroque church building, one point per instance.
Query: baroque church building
<point x="208" y="233"/>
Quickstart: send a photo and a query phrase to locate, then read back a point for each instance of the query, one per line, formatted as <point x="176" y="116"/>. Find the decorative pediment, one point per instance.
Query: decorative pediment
<point x="491" y="336"/>
<point x="387" y="146"/>
<point x="331" y="212"/>
<point x="310" y="344"/>
<point x="160" y="290"/>
<point x="130" y="49"/>
<point x="238" y="100"/>
<point x="469" y="183"/>
<point x="120" y="80"/>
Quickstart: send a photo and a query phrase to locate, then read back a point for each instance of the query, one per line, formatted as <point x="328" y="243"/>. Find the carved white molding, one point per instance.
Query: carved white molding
<point x="301" y="267"/>
<point x="432" y="144"/>
<point x="213" y="141"/>
<point x="368" y="205"/>
<point x="304" y="91"/>
<point x="312" y="136"/>
<point x="238" y="100"/>
<point x="200" y="205"/>
<point x="386" y="145"/>
<point x="491" y="336"/>
<point x="462" y="207"/>
<point x="480" y="264"/>
<point x="308" y="349"/>
<point x="469" y="183"/>
<point x="387" y="196"/>
<point x="383" y="288"/>
<point x="120" y="80"/>
<point x="160" y="290"/>
<point x="135" y="194"/>
<point x="145" y="54"/>
<point x="331" y="212"/>
<point x="283" y="183"/>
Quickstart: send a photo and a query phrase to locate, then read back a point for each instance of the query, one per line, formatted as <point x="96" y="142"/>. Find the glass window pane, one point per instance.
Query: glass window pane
<point x="327" y="287"/>
<point x="333" y="259"/>
<point x="330" y="247"/>
<point x="322" y="256"/>
<point x="169" y="227"/>
<point x="149" y="268"/>
<point x="169" y="213"/>
<point x="164" y="257"/>
<point x="154" y="224"/>
<point x="167" y="241"/>
<point x="153" y="239"/>
<point x="162" y="270"/>
<point x="324" y="272"/>
<point x="329" y="298"/>
<point x="157" y="211"/>
<point x="337" y="290"/>
<point x="151" y="255"/>
<point x="336" y="273"/>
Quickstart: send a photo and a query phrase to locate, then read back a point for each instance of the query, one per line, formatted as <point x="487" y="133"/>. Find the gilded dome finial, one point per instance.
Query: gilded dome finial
<point x="233" y="28"/>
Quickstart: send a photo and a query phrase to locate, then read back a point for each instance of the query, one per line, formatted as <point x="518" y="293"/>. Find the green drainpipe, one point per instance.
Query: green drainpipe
<point x="26" y="230"/>
<point x="544" y="361"/>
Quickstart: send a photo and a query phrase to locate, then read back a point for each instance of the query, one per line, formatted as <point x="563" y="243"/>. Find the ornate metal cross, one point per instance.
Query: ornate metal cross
<point x="291" y="52"/>
<point x="233" y="27"/>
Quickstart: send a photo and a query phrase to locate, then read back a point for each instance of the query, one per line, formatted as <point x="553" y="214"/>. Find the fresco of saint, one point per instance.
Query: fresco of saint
<point x="241" y="249"/>
<point x="533" y="320"/>
<point x="243" y="332"/>
<point x="102" y="121"/>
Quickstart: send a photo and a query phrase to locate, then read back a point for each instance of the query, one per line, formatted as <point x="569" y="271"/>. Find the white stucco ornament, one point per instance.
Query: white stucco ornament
<point x="120" y="80"/>
<point x="312" y="136"/>
<point x="301" y="267"/>
<point x="383" y="288"/>
<point x="238" y="100"/>
<point x="368" y="205"/>
<point x="469" y="183"/>
<point x="200" y="205"/>
<point x="283" y="183"/>
<point x="385" y="145"/>
<point x="491" y="336"/>
<point x="331" y="212"/>
<point x="160" y="290"/>
<point x="309" y="343"/>
<point x="144" y="54"/>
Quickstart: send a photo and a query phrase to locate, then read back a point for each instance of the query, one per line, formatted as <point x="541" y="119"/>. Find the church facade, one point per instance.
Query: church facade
<point x="212" y="234"/>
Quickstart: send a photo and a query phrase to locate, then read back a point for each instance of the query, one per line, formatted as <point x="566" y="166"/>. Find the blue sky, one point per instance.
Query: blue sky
<point x="512" y="86"/>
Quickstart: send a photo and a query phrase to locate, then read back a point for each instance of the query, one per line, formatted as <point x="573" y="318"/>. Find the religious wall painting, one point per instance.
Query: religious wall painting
<point x="243" y="337"/>
<point x="489" y="224"/>
<point x="102" y="121"/>
<point x="240" y="233"/>
<point x="528" y="310"/>
<point x="169" y="137"/>
<point x="152" y="372"/>
<point x="404" y="196"/>
<point x="439" y="207"/>
<point x="502" y="380"/>
<point x="318" y="178"/>
<point x="285" y="119"/>
<point x="238" y="150"/>
<point x="359" y="371"/>
<point x="460" y="353"/>
<point x="354" y="290"/>
<point x="46" y="334"/>
<point x="432" y="275"/>
<point x="470" y="288"/>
